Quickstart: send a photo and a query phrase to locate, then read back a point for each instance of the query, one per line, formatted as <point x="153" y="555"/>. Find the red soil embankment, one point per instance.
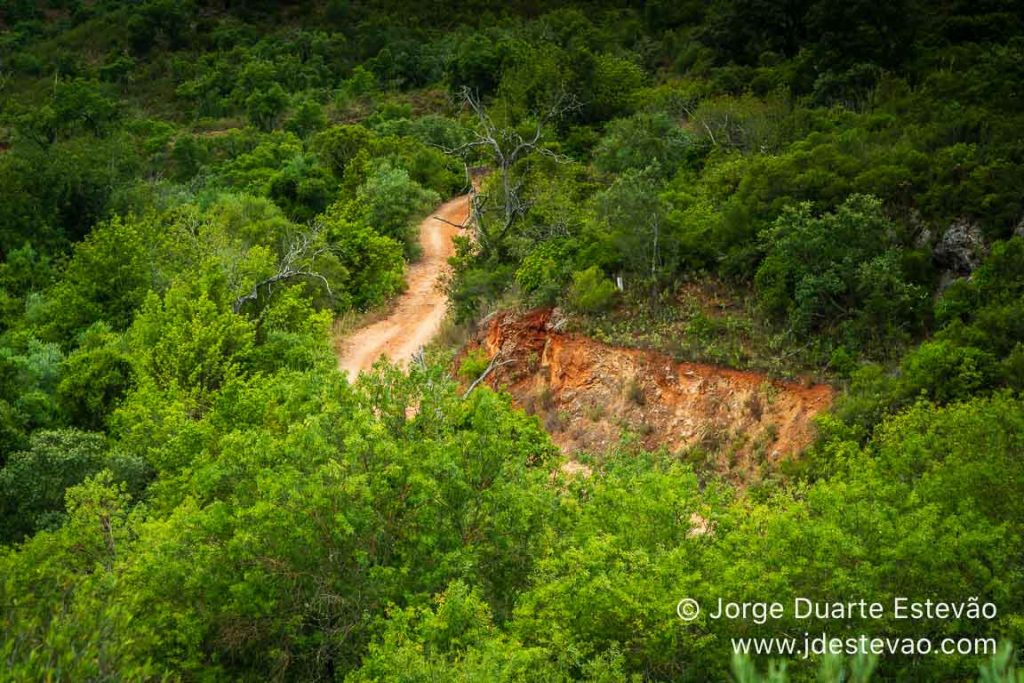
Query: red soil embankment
<point x="590" y="395"/>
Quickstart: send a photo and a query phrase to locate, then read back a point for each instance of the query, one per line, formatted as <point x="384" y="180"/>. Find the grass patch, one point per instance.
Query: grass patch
<point x="705" y="321"/>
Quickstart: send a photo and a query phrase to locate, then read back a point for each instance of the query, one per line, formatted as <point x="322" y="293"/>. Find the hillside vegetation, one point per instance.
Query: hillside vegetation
<point x="192" y="192"/>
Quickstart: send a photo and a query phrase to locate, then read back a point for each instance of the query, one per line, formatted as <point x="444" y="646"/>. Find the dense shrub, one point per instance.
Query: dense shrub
<point x="591" y="291"/>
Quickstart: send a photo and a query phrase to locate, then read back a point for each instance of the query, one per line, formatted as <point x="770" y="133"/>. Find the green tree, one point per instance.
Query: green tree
<point x="94" y="378"/>
<point x="76" y="106"/>
<point x="33" y="482"/>
<point x="107" y="278"/>
<point x="591" y="291"/>
<point x="631" y="220"/>
<point x="373" y="267"/>
<point x="390" y="201"/>
<point x="29" y="372"/>
<point x="840" y="274"/>
<point x="644" y="140"/>
<point x="613" y="83"/>
<point x="307" y="119"/>
<point x="72" y="567"/>
<point x="188" y="342"/>
<point x="265" y="107"/>
<point x="303" y="188"/>
<point x="339" y="145"/>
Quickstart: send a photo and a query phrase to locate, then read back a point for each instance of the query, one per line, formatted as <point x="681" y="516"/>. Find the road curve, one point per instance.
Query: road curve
<point x="419" y="311"/>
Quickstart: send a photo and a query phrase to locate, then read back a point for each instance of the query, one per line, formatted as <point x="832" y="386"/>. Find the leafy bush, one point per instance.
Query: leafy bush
<point x="94" y="378"/>
<point x="266" y="107"/>
<point x="945" y="373"/>
<point x="338" y="145"/>
<point x="473" y="364"/>
<point x="643" y="140"/>
<point x="840" y="274"/>
<point x="373" y="268"/>
<point x="591" y="291"/>
<point x="33" y="482"/>
<point x="308" y="118"/>
<point x="389" y="201"/>
<point x="544" y="271"/>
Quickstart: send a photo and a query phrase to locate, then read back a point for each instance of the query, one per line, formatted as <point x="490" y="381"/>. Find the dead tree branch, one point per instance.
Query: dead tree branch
<point x="294" y="265"/>
<point x="507" y="145"/>
<point x="460" y="226"/>
<point x="494" y="364"/>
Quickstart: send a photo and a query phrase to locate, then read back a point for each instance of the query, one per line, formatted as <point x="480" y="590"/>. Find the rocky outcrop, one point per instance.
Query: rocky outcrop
<point x="961" y="249"/>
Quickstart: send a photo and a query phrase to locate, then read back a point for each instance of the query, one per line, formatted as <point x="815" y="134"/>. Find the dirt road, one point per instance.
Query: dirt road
<point x="419" y="311"/>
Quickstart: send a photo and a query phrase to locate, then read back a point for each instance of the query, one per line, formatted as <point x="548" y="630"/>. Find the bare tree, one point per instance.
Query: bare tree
<point x="296" y="264"/>
<point x="495" y="363"/>
<point x="507" y="145"/>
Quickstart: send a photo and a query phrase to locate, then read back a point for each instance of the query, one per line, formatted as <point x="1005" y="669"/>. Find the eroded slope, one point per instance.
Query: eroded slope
<point x="591" y="396"/>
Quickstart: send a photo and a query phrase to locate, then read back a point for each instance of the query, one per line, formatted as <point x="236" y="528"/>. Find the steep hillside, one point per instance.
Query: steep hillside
<point x="592" y="396"/>
<point x="785" y="244"/>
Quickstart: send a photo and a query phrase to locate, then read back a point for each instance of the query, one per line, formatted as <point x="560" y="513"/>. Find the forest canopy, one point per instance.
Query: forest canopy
<point x="191" y="193"/>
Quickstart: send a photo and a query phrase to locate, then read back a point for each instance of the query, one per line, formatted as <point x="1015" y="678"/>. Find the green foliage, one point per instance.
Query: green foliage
<point x="545" y="270"/>
<point x="747" y="124"/>
<point x="22" y="276"/>
<point x="389" y="200"/>
<point x="477" y="62"/>
<point x="372" y="263"/>
<point x="976" y="350"/>
<point x="457" y="640"/>
<point x="302" y="188"/>
<point x="614" y="82"/>
<point x="266" y="107"/>
<point x="633" y="230"/>
<point x="107" y="278"/>
<point x="944" y="373"/>
<point x="33" y="482"/>
<point x="188" y="342"/>
<point x="94" y="378"/>
<point x="29" y="372"/>
<point x="76" y="106"/>
<point x="985" y="310"/>
<point x="591" y="291"/>
<point x="339" y="145"/>
<point x="160" y="24"/>
<point x="57" y="194"/>
<point x="473" y="364"/>
<point x="73" y="565"/>
<point x="190" y="191"/>
<point x="307" y="119"/>
<point x="368" y="468"/>
<point x="1001" y="668"/>
<point x="832" y="670"/>
<point x="841" y="275"/>
<point x="643" y="140"/>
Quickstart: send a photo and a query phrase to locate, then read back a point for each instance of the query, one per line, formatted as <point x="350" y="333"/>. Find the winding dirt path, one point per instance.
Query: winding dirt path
<point x="419" y="311"/>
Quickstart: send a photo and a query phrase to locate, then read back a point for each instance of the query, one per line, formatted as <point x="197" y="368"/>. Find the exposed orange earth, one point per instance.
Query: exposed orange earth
<point x="590" y="395"/>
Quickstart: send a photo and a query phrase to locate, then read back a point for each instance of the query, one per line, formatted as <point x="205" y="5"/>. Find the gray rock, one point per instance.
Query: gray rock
<point x="924" y="239"/>
<point x="920" y="228"/>
<point x="961" y="248"/>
